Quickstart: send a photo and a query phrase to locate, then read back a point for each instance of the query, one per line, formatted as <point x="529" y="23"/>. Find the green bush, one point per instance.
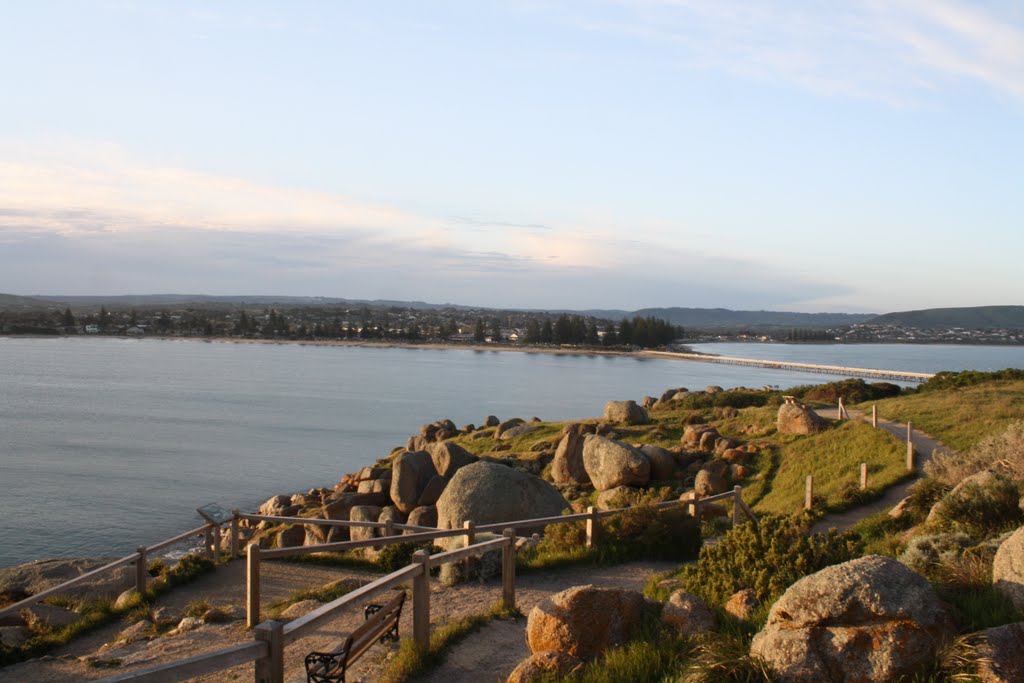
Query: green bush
<point x="982" y="508"/>
<point x="391" y="558"/>
<point x="767" y="558"/>
<point x="922" y="496"/>
<point x="955" y="380"/>
<point x="850" y="390"/>
<point x="925" y="554"/>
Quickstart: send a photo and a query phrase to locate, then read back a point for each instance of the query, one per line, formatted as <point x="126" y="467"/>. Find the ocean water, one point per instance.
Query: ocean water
<point x="108" y="444"/>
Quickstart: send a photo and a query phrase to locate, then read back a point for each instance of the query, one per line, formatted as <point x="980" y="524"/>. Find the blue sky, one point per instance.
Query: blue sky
<point x="846" y="156"/>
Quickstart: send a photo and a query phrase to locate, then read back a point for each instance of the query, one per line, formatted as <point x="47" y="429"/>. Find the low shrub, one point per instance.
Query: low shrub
<point x="391" y="558"/>
<point x="1002" y="453"/>
<point x="851" y="391"/>
<point x="923" y="494"/>
<point x="768" y="558"/>
<point x="982" y="508"/>
<point x="926" y="554"/>
<point x="957" y="380"/>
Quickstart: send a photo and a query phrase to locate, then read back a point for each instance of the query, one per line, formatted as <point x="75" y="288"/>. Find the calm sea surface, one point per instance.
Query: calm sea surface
<point x="108" y="444"/>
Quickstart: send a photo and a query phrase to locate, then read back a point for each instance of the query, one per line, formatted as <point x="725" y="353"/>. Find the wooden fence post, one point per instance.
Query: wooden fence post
<point x="421" y="602"/>
<point x="252" y="586"/>
<point x="863" y="476"/>
<point x="841" y="409"/>
<point x="270" y="669"/>
<point x="233" y="545"/>
<point x="470" y="532"/>
<point x="389" y="527"/>
<point x="874" y="416"/>
<point x="141" y="570"/>
<point x="737" y="511"/>
<point x="809" y="493"/>
<point x="508" y="570"/>
<point x="910" y="447"/>
<point x="208" y="541"/>
<point x="695" y="506"/>
<point x="591" y="526"/>
<point x="215" y="533"/>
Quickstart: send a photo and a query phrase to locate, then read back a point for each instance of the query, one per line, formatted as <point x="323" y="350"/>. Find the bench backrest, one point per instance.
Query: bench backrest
<point x="360" y="640"/>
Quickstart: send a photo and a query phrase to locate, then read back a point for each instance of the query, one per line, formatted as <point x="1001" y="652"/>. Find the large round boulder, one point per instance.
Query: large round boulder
<point x="487" y="493"/>
<point x="412" y="471"/>
<point x="794" y="418"/>
<point x="1001" y="649"/>
<point x="612" y="463"/>
<point x="567" y="467"/>
<point x="625" y="412"/>
<point x="584" y="621"/>
<point x="663" y="463"/>
<point x="866" y="620"/>
<point x="1008" y="569"/>
<point x="688" y="614"/>
<point x="448" y="458"/>
<point x="544" y="666"/>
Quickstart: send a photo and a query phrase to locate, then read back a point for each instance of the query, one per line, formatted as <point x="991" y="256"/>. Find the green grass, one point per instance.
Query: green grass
<point x="958" y="417"/>
<point x="833" y="458"/>
<point x="409" y="662"/>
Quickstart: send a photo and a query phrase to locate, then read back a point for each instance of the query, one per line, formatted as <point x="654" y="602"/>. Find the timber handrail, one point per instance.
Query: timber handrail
<point x="177" y="539"/>
<point x="138" y="558"/>
<point x="295" y="629"/>
<point x="199" y="665"/>
<point x="365" y="543"/>
<point x="32" y="599"/>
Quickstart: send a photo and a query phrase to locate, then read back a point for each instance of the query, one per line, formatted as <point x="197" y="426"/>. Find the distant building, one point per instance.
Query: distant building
<point x="92" y="329"/>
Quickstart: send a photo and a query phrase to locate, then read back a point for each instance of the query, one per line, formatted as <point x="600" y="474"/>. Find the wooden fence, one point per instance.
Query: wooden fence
<point x="211" y="548"/>
<point x="271" y="637"/>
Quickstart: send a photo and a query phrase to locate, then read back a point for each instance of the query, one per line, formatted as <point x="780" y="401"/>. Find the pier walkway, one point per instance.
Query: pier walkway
<point x="870" y="373"/>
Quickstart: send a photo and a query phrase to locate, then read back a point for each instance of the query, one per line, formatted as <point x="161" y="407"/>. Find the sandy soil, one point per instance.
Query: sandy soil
<point x="490" y="654"/>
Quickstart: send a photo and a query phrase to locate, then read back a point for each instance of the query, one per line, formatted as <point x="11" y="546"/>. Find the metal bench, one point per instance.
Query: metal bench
<point x="381" y="625"/>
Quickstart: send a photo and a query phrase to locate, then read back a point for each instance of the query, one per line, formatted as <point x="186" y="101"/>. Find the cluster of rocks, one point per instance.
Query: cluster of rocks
<point x="869" y="620"/>
<point x="587" y="455"/>
<point x="424" y="486"/>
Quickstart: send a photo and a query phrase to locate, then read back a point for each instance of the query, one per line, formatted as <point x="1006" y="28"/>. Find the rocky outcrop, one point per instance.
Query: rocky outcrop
<point x="425" y="515"/>
<point x="363" y="513"/>
<point x="506" y="425"/>
<point x="486" y="492"/>
<point x="412" y="472"/>
<point x="688" y="614"/>
<point x="612" y="463"/>
<point x="448" y="458"/>
<point x="516" y="431"/>
<point x="544" y="665"/>
<point x="1001" y="653"/>
<point x="663" y="463"/>
<point x="567" y="467"/>
<point x="742" y="604"/>
<point x="710" y="482"/>
<point x="625" y="412"/>
<point x="432" y="491"/>
<point x="869" y="619"/>
<point x="279" y="506"/>
<point x="794" y="418"/>
<point x="584" y="621"/>
<point x="1008" y="569"/>
<point x="34" y="577"/>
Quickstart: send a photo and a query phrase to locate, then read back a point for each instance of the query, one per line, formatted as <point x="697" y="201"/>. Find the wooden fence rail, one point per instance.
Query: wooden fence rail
<point x="138" y="558"/>
<point x="271" y="637"/>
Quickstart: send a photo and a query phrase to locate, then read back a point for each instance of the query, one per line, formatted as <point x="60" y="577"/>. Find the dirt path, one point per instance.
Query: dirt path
<point x="495" y="649"/>
<point x="924" y="445"/>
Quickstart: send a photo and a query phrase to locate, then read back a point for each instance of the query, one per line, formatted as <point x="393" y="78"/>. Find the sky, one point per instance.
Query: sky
<point x="857" y="156"/>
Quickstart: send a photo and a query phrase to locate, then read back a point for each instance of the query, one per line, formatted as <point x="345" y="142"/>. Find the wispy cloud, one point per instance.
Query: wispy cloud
<point x="896" y="50"/>
<point x="94" y="219"/>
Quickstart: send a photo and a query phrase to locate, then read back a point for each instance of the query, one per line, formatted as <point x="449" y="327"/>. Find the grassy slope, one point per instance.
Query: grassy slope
<point x="833" y="458"/>
<point x="958" y="417"/>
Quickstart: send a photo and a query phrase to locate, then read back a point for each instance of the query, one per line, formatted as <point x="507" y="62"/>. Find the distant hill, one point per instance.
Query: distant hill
<point x="722" y="318"/>
<point x="973" y="318"/>
<point x="12" y="302"/>
<point x="150" y="300"/>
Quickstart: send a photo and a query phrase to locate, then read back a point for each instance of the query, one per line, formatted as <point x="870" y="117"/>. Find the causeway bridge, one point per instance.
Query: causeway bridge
<point x="868" y="373"/>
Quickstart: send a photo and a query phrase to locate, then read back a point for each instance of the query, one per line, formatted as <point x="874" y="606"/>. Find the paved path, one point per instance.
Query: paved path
<point x="924" y="445"/>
